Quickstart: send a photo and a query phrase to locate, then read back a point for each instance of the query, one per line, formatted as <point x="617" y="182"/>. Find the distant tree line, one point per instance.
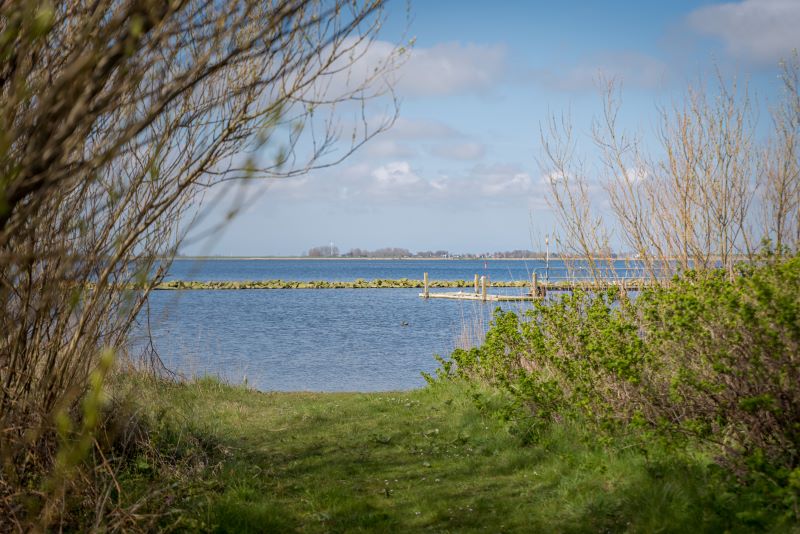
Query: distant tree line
<point x="329" y="251"/>
<point x="433" y="254"/>
<point x="386" y="252"/>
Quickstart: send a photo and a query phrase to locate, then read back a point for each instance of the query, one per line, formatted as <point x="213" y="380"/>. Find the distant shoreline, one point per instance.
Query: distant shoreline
<point x="306" y="258"/>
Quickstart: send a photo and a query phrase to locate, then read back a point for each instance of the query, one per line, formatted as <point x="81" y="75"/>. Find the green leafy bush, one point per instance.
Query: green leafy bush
<point x="707" y="359"/>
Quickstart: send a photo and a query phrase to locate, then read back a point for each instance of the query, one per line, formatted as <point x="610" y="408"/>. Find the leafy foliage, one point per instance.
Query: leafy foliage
<point x="706" y="360"/>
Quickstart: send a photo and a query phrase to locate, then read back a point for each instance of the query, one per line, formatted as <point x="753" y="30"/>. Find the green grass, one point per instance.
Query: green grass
<point x="235" y="460"/>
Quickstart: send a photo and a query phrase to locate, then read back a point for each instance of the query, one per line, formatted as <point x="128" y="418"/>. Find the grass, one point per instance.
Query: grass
<point x="235" y="460"/>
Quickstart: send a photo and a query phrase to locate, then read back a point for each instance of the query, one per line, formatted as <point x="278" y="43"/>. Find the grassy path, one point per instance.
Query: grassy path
<point x="424" y="460"/>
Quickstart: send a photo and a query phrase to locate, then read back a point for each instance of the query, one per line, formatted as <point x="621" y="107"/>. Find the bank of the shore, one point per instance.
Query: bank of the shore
<point x="541" y="257"/>
<point x="326" y="284"/>
<point x="390" y="284"/>
<point x="229" y="459"/>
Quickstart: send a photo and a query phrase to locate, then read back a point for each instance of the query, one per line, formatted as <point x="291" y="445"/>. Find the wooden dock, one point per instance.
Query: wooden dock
<point x="480" y="293"/>
<point x="463" y="295"/>
<point x="538" y="289"/>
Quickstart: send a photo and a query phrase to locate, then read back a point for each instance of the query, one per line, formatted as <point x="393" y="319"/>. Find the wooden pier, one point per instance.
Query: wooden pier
<point x="480" y="293"/>
<point x="463" y="295"/>
<point x="538" y="289"/>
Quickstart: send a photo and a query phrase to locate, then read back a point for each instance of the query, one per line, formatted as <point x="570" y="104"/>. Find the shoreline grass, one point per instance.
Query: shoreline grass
<point x="420" y="460"/>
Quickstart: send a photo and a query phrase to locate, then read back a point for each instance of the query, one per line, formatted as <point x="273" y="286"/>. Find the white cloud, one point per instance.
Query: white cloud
<point x="395" y="180"/>
<point x="759" y="30"/>
<point x="383" y="147"/>
<point x="399" y="182"/>
<point x="465" y="151"/>
<point x="631" y="68"/>
<point x="444" y="69"/>
<point x="552" y="178"/>
<point x="416" y="129"/>
<point x="452" y="68"/>
<point x="511" y="185"/>
<point x="635" y="174"/>
<point x="395" y="174"/>
<point x="502" y="180"/>
<point x="441" y="184"/>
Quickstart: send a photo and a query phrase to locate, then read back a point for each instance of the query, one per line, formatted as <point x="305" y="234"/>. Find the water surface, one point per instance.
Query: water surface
<point x="349" y="270"/>
<point x="317" y="340"/>
<point x="321" y="339"/>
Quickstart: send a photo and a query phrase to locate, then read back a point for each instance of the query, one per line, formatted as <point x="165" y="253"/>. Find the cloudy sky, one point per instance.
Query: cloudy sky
<point x="458" y="170"/>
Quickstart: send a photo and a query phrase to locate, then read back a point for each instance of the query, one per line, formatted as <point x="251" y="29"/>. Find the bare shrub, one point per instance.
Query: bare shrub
<point x="781" y="168"/>
<point x="115" y="118"/>
<point x="711" y="195"/>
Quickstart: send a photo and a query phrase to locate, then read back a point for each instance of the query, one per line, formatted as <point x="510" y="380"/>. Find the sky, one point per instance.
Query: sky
<point x="460" y="169"/>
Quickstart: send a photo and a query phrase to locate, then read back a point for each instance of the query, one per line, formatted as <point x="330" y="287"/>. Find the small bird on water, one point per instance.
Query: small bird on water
<point x="404" y="323"/>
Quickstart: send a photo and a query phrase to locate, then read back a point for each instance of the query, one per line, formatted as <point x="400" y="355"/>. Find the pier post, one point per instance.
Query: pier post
<point x="483" y="288"/>
<point x="425" y="284"/>
<point x="535" y="288"/>
<point x="476" y="283"/>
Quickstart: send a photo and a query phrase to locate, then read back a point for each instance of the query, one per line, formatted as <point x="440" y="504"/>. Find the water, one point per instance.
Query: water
<point x="319" y="340"/>
<point x="349" y="270"/>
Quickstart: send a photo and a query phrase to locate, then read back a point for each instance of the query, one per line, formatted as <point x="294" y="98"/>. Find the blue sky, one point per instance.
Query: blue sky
<point x="458" y="171"/>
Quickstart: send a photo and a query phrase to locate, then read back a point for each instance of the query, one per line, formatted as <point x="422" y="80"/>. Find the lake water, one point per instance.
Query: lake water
<point x="320" y="340"/>
<point x="348" y="270"/>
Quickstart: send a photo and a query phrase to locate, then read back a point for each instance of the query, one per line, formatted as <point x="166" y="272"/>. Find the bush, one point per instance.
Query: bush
<point x="704" y="359"/>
